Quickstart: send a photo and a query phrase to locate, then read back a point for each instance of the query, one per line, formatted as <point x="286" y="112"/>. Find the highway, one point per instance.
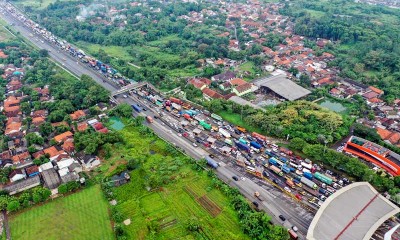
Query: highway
<point x="275" y="202"/>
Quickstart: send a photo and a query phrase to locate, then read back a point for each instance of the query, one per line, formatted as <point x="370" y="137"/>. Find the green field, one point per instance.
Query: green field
<point x="82" y="215"/>
<point x="40" y="4"/>
<point x="177" y="202"/>
<point x="5" y="35"/>
<point x="236" y="120"/>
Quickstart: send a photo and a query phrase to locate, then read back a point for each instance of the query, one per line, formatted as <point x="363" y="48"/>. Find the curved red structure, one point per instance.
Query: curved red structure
<point x="373" y="157"/>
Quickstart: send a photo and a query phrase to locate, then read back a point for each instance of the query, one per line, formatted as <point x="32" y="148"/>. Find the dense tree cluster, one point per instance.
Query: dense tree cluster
<point x="24" y="200"/>
<point x="368" y="35"/>
<point x="91" y="142"/>
<point x="303" y="119"/>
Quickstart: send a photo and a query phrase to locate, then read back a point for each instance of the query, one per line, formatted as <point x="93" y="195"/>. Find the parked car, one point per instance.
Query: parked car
<point x="255" y="204"/>
<point x="281" y="217"/>
<point x="235" y="178"/>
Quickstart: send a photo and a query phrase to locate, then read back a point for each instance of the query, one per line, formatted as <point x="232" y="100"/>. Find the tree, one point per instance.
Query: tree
<point x="297" y="143"/>
<point x="13" y="206"/>
<point x="33" y="138"/>
<point x="62" y="189"/>
<point x="46" y="129"/>
<point x="122" y="110"/>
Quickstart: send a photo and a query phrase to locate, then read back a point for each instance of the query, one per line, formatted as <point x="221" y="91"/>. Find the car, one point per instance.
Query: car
<point x="125" y="96"/>
<point x="287" y="189"/>
<point x="281" y="217"/>
<point x="180" y="135"/>
<point x="235" y="178"/>
<point x="144" y="109"/>
<point x="294" y="228"/>
<point x="255" y="204"/>
<point x="302" y="193"/>
<point x="211" y="156"/>
<point x="155" y="117"/>
<point x="194" y="145"/>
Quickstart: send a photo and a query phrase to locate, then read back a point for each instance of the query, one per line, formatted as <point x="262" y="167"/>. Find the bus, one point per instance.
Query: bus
<point x="216" y="117"/>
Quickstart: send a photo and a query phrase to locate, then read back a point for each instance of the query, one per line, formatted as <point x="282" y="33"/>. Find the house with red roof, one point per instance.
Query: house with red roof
<point x="209" y="94"/>
<point x="77" y="115"/>
<point x="63" y="136"/>
<point x="38" y="120"/>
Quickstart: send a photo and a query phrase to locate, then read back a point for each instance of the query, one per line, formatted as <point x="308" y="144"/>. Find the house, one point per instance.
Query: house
<point x="335" y="92"/>
<point x="52" y="151"/>
<point x="209" y="94"/>
<point x="88" y="161"/>
<point x="237" y="82"/>
<point x="13" y="128"/>
<point x="12" y="111"/>
<point x="77" y="115"/>
<point x="16" y="175"/>
<point x="68" y="145"/>
<point x="370" y="95"/>
<point x="226" y="76"/>
<point x="46" y="166"/>
<point x="39" y="113"/>
<point x="82" y="126"/>
<point x="58" y="124"/>
<point x="22" y="185"/>
<point x="388" y="136"/>
<point x="32" y="171"/>
<point x="242" y="89"/>
<point x="120" y="179"/>
<point x="225" y="86"/>
<point x="21" y="158"/>
<point x="376" y="90"/>
<point x="38" y="121"/>
<point x="51" y="178"/>
<point x="63" y="136"/>
<point x="197" y="83"/>
<point x="103" y="107"/>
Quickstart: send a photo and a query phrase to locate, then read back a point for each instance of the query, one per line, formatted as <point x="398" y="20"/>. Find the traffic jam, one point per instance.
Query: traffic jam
<point x="111" y="74"/>
<point x="299" y="178"/>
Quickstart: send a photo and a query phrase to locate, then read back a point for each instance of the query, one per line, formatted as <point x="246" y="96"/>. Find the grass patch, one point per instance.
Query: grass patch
<point x="40" y="4"/>
<point x="171" y="206"/>
<point x="82" y="215"/>
<point x="237" y="120"/>
<point x="5" y="35"/>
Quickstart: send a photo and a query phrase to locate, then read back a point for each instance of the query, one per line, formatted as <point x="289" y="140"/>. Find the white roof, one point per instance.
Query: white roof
<point x="65" y="163"/>
<point x="63" y="172"/>
<point x="93" y="121"/>
<point x="45" y="166"/>
<point x="352" y="213"/>
<point x="283" y="86"/>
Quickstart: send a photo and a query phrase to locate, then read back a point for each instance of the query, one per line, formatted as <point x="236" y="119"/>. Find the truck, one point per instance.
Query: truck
<point x="290" y="183"/>
<point x="292" y="234"/>
<point x="285" y="169"/>
<point x="243" y="141"/>
<point x="308" y="175"/>
<point x="187" y="116"/>
<point x="228" y="141"/>
<point x="216" y="117"/>
<point x="241" y="129"/>
<point x="323" y="178"/>
<point x="323" y="191"/>
<point x="205" y="125"/>
<point x="258" y="136"/>
<point x="309" y="183"/>
<point x="285" y="151"/>
<point x="242" y="146"/>
<point x="136" y="108"/>
<point x="224" y="133"/>
<point x="149" y="119"/>
<point x="258" y="196"/>
<point x="272" y="161"/>
<point x="297" y="182"/>
<point x="276" y="170"/>
<point x="176" y="106"/>
<point x="255" y="144"/>
<point x="211" y="162"/>
<point x="176" y="100"/>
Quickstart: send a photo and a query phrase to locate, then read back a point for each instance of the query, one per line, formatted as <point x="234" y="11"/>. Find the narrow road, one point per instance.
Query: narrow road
<point x="6" y="225"/>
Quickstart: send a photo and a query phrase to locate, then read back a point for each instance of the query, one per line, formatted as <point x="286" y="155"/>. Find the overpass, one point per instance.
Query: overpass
<point x="135" y="86"/>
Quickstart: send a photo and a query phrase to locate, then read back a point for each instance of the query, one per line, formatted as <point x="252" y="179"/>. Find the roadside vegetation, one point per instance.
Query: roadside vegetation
<point x="303" y="119"/>
<point x="170" y="196"/>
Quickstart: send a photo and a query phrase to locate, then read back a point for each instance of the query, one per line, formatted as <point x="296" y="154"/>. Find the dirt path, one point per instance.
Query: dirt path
<point x="6" y="225"/>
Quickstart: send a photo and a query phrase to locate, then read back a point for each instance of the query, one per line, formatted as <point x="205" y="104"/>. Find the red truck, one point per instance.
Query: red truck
<point x="176" y="100"/>
<point x="149" y="119"/>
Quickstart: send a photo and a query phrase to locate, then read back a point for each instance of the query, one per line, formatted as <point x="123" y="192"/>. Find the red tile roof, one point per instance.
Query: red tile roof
<point x="32" y="169"/>
<point x="243" y="88"/>
<point x="211" y="93"/>
<point x="374" y="89"/>
<point x="82" y="126"/>
<point x="63" y="136"/>
<point x="237" y="82"/>
<point x="384" y="133"/>
<point x="77" y="114"/>
<point x="20" y="157"/>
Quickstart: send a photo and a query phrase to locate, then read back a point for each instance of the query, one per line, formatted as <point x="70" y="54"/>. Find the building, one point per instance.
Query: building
<point x="242" y="89"/>
<point x="32" y="170"/>
<point x="51" y="178"/>
<point x="282" y="86"/>
<point x="22" y="185"/>
<point x="374" y="153"/>
<point x="353" y="212"/>
<point x="16" y="175"/>
<point x="63" y="136"/>
<point x="88" y="161"/>
<point x="209" y="94"/>
<point x="226" y="76"/>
